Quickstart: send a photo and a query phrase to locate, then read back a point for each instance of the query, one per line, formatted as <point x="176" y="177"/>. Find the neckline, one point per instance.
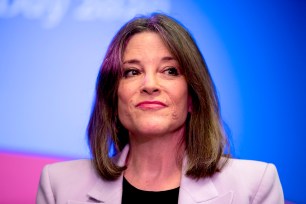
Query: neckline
<point x="127" y="184"/>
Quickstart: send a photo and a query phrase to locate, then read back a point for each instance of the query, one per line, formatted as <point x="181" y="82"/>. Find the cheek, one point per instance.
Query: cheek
<point x="181" y="103"/>
<point x="122" y="103"/>
<point x="125" y="101"/>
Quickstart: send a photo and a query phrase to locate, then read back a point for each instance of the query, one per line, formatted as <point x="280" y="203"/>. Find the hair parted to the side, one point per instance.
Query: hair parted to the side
<point x="205" y="139"/>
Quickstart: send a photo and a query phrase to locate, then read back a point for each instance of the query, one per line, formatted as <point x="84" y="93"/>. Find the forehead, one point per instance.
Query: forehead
<point x="147" y="42"/>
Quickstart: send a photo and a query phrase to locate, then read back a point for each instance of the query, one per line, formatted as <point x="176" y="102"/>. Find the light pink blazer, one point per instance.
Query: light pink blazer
<point x="239" y="182"/>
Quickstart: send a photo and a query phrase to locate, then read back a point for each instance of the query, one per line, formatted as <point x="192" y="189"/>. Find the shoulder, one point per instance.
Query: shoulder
<point x="246" y="167"/>
<point x="62" y="173"/>
<point x="70" y="167"/>
<point x="70" y="179"/>
<point x="257" y="179"/>
<point x="248" y="172"/>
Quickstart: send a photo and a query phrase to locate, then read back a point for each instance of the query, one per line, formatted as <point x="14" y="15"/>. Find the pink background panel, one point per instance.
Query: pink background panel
<point x="19" y="177"/>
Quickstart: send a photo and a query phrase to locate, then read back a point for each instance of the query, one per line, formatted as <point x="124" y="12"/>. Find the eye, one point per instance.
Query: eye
<point x="172" y="71"/>
<point x="130" y="72"/>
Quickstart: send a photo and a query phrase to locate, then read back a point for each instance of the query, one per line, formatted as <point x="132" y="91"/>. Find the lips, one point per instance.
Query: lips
<point x="151" y="105"/>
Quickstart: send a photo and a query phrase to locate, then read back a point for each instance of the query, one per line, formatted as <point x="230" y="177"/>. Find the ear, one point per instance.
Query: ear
<point x="189" y="103"/>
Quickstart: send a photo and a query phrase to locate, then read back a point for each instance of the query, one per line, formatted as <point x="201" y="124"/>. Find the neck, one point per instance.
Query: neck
<point x="155" y="163"/>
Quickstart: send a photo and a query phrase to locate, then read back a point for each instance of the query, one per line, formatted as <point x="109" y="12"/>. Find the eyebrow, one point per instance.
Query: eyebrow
<point x="136" y="61"/>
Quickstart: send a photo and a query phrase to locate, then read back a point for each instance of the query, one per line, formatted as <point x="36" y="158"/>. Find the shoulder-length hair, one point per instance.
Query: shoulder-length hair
<point x="205" y="140"/>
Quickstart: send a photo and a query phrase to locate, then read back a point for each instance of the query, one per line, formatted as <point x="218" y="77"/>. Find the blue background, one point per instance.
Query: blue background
<point x="50" y="52"/>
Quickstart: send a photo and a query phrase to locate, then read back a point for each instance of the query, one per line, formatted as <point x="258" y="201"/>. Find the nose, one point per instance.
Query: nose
<point x="150" y="84"/>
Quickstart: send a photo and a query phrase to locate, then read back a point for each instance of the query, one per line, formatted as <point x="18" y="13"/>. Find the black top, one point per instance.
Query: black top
<point x="132" y="195"/>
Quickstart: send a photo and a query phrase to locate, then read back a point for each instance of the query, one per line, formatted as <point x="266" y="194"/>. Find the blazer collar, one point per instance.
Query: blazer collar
<point x="191" y="191"/>
<point x="110" y="191"/>
<point x="201" y="190"/>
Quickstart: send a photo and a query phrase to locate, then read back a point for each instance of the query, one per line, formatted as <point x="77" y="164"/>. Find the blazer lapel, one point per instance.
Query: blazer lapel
<point x="201" y="191"/>
<point x="110" y="192"/>
<point x="107" y="191"/>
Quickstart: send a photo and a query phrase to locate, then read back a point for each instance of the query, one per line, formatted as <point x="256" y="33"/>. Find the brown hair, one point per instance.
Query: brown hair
<point x="205" y="139"/>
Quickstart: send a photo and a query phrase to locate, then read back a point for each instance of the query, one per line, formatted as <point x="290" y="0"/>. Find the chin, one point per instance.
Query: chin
<point x="154" y="130"/>
<point x="152" y="126"/>
<point x="150" y="130"/>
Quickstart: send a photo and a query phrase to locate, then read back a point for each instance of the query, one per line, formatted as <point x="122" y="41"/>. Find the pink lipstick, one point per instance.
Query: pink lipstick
<point x="148" y="105"/>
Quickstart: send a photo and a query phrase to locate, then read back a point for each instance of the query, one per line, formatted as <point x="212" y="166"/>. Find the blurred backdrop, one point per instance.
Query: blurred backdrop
<point x="51" y="50"/>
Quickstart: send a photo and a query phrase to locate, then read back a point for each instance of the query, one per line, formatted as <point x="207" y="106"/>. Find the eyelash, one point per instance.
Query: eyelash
<point x="133" y="72"/>
<point x="130" y="72"/>
<point x="171" y="69"/>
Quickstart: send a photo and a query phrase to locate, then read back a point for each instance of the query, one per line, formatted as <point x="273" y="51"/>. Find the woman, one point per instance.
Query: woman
<point x="157" y="108"/>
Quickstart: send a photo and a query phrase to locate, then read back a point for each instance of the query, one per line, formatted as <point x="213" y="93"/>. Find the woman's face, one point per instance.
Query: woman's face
<point x="152" y="94"/>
